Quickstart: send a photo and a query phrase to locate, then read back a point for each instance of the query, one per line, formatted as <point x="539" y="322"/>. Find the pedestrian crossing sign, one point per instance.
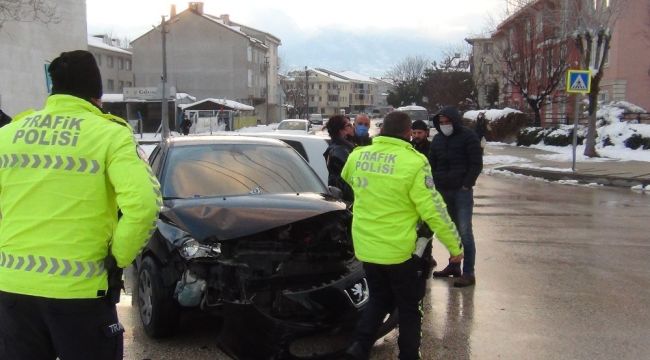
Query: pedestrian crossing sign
<point x="578" y="81"/>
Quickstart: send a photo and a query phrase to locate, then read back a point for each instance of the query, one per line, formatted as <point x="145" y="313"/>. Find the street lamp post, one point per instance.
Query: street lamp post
<point x="164" y="111"/>
<point x="266" y="68"/>
<point x="306" y="93"/>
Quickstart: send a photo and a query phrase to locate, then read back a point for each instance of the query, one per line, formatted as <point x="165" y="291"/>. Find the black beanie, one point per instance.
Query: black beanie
<point x="419" y="125"/>
<point x="76" y="73"/>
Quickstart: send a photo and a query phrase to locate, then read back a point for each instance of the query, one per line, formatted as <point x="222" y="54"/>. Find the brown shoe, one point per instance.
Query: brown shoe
<point x="452" y="270"/>
<point x="465" y="280"/>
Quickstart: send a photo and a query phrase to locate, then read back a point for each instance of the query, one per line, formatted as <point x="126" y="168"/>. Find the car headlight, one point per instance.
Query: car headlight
<point x="192" y="249"/>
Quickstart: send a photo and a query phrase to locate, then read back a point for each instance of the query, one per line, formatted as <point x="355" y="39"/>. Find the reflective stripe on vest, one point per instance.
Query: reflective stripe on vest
<point x="56" y="162"/>
<point x="52" y="266"/>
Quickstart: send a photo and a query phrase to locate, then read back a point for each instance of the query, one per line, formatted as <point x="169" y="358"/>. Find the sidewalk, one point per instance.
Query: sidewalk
<point x="532" y="162"/>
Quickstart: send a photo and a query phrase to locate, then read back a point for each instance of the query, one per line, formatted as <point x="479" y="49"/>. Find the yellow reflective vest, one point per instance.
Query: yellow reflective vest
<point x="64" y="173"/>
<point x="393" y="189"/>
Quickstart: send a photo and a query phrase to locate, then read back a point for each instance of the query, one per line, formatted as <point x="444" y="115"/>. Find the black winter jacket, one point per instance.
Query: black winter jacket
<point x="422" y="147"/>
<point x="456" y="160"/>
<point x="336" y="155"/>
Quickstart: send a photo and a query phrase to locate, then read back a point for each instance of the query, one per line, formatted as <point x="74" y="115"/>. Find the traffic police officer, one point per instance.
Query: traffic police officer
<point x="65" y="171"/>
<point x="393" y="189"/>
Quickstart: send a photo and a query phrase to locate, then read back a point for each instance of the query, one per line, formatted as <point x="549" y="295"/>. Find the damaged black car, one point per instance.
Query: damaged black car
<point x="248" y="232"/>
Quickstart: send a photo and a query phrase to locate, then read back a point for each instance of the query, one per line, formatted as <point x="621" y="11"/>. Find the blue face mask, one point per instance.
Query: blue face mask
<point x="361" y="130"/>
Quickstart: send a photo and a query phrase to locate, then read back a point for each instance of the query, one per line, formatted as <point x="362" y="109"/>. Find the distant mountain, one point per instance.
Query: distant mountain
<point x="368" y="54"/>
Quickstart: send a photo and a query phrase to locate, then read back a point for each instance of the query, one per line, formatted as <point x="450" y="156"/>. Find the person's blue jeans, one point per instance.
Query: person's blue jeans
<point x="460" y="205"/>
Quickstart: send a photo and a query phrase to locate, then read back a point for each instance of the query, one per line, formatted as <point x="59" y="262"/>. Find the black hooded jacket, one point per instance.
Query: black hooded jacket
<point x="336" y="155"/>
<point x="456" y="160"/>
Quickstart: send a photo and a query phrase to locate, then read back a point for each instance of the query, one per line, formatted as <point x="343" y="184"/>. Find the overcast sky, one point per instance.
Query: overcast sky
<point x="363" y="35"/>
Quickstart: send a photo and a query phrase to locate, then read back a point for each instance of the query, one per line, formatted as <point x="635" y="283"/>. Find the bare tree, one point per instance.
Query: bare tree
<point x="293" y="85"/>
<point x="42" y="11"/>
<point x="593" y="28"/>
<point x="534" y="56"/>
<point x="408" y="70"/>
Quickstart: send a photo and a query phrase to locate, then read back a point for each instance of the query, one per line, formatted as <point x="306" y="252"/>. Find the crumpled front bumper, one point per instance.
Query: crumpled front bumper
<point x="250" y="333"/>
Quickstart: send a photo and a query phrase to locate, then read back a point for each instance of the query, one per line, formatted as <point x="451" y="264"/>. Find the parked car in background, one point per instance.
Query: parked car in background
<point x="294" y="126"/>
<point x="310" y="147"/>
<point x="316" y="119"/>
<point x="248" y="232"/>
<point x="416" y="112"/>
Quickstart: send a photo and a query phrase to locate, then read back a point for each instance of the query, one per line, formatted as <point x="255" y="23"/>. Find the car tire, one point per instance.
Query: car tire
<point x="159" y="312"/>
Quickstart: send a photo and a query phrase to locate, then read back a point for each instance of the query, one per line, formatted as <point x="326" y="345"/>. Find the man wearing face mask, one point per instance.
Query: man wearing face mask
<point x="456" y="162"/>
<point x="361" y="127"/>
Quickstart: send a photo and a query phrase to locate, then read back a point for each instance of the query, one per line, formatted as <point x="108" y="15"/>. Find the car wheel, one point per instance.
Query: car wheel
<point x="159" y="312"/>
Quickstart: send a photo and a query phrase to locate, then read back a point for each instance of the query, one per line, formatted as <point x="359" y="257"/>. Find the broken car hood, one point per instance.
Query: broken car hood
<point x="237" y="216"/>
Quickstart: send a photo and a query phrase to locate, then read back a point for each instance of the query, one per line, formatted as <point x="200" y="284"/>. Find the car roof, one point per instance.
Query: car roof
<point x="301" y="120"/>
<point x="222" y="139"/>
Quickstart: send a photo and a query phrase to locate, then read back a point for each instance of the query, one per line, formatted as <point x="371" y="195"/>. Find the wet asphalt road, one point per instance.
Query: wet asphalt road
<point x="562" y="273"/>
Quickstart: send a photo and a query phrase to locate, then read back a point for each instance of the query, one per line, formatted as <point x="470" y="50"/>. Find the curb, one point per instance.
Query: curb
<point x="608" y="180"/>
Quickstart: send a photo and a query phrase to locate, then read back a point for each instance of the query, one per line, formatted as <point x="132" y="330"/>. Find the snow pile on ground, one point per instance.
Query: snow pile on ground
<point x="641" y="188"/>
<point x="490" y="115"/>
<point x="503" y="159"/>
<point x="614" y="139"/>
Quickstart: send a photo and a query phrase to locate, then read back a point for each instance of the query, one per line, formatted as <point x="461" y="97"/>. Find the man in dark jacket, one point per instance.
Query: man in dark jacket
<point x="341" y="131"/>
<point x="456" y="162"/>
<point x="4" y="118"/>
<point x="420" y="137"/>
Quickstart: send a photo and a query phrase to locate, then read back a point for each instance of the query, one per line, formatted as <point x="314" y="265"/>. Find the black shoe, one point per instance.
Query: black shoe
<point x="356" y="352"/>
<point x="465" y="281"/>
<point x="452" y="270"/>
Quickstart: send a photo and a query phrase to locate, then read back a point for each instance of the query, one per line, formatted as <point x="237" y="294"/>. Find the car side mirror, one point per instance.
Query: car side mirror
<point x="335" y="192"/>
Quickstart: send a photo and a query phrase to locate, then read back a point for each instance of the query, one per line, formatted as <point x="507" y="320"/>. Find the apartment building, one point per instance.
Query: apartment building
<point x="540" y="34"/>
<point x="115" y="63"/>
<point x="213" y="57"/>
<point x="328" y="94"/>
<point x="28" y="47"/>
<point x="486" y="71"/>
<point x="362" y="90"/>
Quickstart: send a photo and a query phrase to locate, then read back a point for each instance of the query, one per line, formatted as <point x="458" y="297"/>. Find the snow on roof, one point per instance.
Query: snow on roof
<point x="236" y="29"/>
<point x="357" y="77"/>
<point x="185" y="96"/>
<point x="333" y="77"/>
<point x="411" y="107"/>
<point x="111" y="98"/>
<point x="99" y="43"/>
<point x="490" y="115"/>
<point x="229" y="103"/>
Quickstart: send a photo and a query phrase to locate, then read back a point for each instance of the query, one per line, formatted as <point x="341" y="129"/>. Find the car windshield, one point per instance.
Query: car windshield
<point x="236" y="169"/>
<point x="291" y="125"/>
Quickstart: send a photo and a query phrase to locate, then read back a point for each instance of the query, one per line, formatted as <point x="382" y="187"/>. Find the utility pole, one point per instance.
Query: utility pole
<point x="164" y="112"/>
<point x="266" y="67"/>
<point x="306" y="93"/>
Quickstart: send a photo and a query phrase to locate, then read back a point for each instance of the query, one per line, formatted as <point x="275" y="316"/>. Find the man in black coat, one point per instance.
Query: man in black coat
<point x="420" y="137"/>
<point x="456" y="162"/>
<point x="341" y="131"/>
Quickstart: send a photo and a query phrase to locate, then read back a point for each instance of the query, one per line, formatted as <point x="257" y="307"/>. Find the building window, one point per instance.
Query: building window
<point x="129" y="84"/>
<point x="120" y="63"/>
<point x="539" y="23"/>
<point x="128" y="64"/>
<point x="487" y="48"/>
<point x="250" y="78"/>
<point x="98" y="57"/>
<point x="121" y="85"/>
<point x="110" y="85"/>
<point x="250" y="54"/>
<point x="109" y="61"/>
<point x="488" y="69"/>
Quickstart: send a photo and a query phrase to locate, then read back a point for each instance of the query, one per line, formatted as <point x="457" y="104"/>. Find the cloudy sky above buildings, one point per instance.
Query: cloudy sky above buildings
<point x="365" y="36"/>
